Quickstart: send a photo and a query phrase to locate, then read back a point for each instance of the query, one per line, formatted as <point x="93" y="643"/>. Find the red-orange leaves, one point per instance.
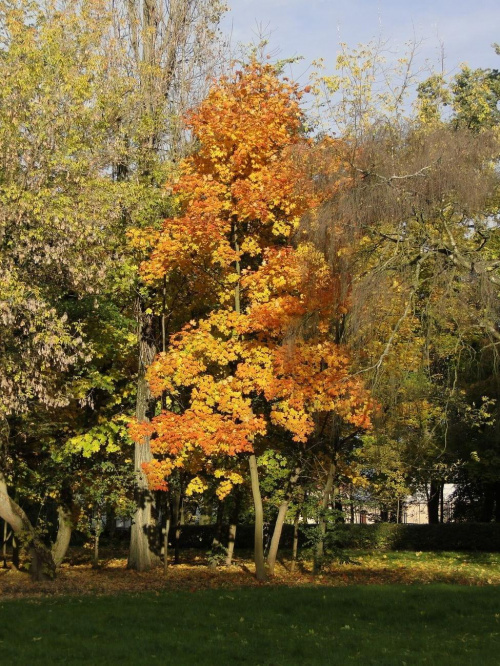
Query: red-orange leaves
<point x="262" y="359"/>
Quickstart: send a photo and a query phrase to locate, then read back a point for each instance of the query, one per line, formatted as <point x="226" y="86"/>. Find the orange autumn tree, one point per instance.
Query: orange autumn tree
<point x="261" y="359"/>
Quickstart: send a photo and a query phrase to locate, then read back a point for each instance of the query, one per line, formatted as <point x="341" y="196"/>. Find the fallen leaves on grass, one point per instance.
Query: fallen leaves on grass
<point x="191" y="576"/>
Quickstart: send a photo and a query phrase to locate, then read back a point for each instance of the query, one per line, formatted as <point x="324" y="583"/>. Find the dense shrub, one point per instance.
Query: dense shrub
<point x="483" y="537"/>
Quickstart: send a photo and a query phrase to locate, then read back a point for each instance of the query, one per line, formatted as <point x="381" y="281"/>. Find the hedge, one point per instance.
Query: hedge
<point x="484" y="537"/>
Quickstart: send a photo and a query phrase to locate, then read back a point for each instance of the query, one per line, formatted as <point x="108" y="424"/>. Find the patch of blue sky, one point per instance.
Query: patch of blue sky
<point x="315" y="28"/>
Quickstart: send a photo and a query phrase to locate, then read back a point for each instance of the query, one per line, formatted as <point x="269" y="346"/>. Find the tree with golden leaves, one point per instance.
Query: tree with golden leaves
<point x="260" y="360"/>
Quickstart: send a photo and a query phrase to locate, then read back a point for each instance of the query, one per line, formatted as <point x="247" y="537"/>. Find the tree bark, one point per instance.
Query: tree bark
<point x="433" y="502"/>
<point x="233" y="526"/>
<point x="42" y="564"/>
<point x="497" y="502"/>
<point x="320" y="546"/>
<point x="61" y="544"/>
<point x="295" y="548"/>
<point x="278" y="527"/>
<point x="260" y="569"/>
<point x="143" y="536"/>
<point x="488" y="507"/>
<point x="166" y="532"/>
<point x="176" y="513"/>
<point x="217" y="540"/>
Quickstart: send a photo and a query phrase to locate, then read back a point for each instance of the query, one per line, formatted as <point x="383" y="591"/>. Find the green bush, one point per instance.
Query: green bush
<point x="484" y="537"/>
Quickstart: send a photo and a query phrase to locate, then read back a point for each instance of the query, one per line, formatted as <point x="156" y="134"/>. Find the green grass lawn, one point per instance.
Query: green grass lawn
<point x="423" y="624"/>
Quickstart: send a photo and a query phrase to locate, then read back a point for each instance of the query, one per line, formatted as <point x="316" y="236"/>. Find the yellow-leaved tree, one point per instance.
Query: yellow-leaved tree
<point x="260" y="360"/>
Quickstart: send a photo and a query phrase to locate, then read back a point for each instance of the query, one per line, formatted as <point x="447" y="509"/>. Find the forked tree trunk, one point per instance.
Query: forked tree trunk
<point x="278" y="527"/>
<point x="260" y="569"/>
<point x="42" y="563"/>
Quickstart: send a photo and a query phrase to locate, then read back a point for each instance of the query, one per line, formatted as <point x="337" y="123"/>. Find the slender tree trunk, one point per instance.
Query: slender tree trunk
<point x="488" y="503"/>
<point x="95" y="556"/>
<point x="166" y="532"/>
<point x="16" y="563"/>
<point x="61" y="544"/>
<point x="278" y="527"/>
<point x="4" y="544"/>
<point x="230" y="543"/>
<point x="165" y="543"/>
<point x="433" y="502"/>
<point x="295" y="548"/>
<point x="143" y="533"/>
<point x="260" y="569"/>
<point x="217" y="540"/>
<point x="97" y="537"/>
<point x="177" y="525"/>
<point x="320" y="546"/>
<point x="232" y="527"/>
<point x="497" y="502"/>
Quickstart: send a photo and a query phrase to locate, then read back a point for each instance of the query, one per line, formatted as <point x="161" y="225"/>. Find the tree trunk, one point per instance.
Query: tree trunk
<point x="260" y="569"/>
<point x="177" y="525"/>
<point x="42" y="564"/>
<point x="97" y="536"/>
<point x="143" y="533"/>
<point x="278" y="527"/>
<point x="16" y="563"/>
<point x="295" y="548"/>
<point x="61" y="544"/>
<point x="320" y="546"/>
<point x="433" y="502"/>
<point x="233" y="526"/>
<point x="230" y="544"/>
<point x="166" y="533"/>
<point x="95" y="556"/>
<point x="217" y="540"/>
<point x="5" y="538"/>
<point x="488" y="507"/>
<point x="497" y="502"/>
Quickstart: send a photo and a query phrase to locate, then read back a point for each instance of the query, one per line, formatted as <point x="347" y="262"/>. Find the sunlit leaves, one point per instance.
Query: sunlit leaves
<point x="262" y="359"/>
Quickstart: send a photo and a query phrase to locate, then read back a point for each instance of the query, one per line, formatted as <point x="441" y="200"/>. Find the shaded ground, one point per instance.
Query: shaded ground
<point x="270" y="626"/>
<point x="478" y="569"/>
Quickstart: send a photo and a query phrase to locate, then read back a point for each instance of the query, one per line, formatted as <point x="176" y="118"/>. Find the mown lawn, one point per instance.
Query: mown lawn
<point x="375" y="624"/>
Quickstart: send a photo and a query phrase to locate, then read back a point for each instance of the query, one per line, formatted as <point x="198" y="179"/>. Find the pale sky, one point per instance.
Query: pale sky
<point x="314" y="28"/>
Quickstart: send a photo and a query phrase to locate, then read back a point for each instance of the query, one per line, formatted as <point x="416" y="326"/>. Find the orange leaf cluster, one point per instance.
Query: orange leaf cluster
<point x="263" y="358"/>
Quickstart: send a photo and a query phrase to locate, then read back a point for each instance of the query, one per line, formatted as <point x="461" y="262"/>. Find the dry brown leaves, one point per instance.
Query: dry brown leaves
<point x="114" y="578"/>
